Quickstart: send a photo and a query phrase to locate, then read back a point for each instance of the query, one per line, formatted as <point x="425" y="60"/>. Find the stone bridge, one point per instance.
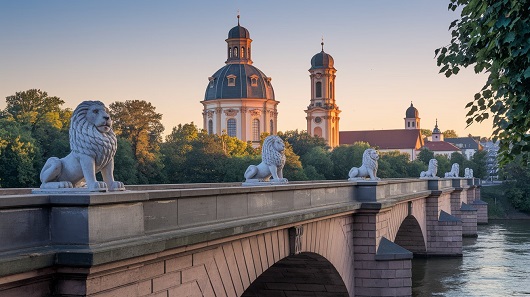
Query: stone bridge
<point x="320" y="238"/>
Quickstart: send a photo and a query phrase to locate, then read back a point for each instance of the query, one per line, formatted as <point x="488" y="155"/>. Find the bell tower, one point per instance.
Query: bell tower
<point x="322" y="112"/>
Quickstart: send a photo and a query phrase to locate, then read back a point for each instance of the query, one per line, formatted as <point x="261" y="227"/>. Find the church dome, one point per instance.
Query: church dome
<point x="238" y="32"/>
<point x="322" y="60"/>
<point x="412" y="112"/>
<point x="239" y="81"/>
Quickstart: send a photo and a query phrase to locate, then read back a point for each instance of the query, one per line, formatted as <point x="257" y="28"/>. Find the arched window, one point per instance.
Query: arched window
<point x="317" y="132"/>
<point x="408" y="124"/>
<point x="318" y="90"/>
<point x="413" y="124"/>
<point x="231" y="127"/>
<point x="210" y="127"/>
<point x="272" y="127"/>
<point x="235" y="52"/>
<point x="229" y="52"/>
<point x="255" y="130"/>
<point x="330" y="89"/>
<point x="242" y="52"/>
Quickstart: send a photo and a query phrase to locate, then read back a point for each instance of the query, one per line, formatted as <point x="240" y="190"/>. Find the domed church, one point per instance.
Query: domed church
<point x="239" y="98"/>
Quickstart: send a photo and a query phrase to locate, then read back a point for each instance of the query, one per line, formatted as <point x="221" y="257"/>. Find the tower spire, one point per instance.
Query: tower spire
<point x="322" y="43"/>
<point x="238" y="17"/>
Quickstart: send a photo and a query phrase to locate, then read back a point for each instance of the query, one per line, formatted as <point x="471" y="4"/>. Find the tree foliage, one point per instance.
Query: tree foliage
<point x="425" y="155"/>
<point x="493" y="36"/>
<point x="139" y="123"/>
<point x="35" y="106"/>
<point x="450" y="134"/>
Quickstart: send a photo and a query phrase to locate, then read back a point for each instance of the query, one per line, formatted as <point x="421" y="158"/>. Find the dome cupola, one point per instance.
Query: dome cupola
<point x="322" y="60"/>
<point x="412" y="112"/>
<point x="238" y="43"/>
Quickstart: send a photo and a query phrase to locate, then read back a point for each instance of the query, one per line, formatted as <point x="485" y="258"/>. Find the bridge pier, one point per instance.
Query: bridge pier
<point x="382" y="272"/>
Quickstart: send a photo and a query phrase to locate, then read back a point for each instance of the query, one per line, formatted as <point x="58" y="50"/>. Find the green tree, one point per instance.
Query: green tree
<point x="492" y="36"/>
<point x="426" y="132"/>
<point x="450" y="134"/>
<point x="425" y="155"/>
<point x="457" y="157"/>
<point x="302" y="142"/>
<point x="33" y="106"/>
<point x="18" y="155"/>
<point x="317" y="164"/>
<point x="293" y="169"/>
<point x="139" y="123"/>
<point x="175" y="149"/>
<point x="125" y="164"/>
<point x="444" y="165"/>
<point x="344" y="157"/>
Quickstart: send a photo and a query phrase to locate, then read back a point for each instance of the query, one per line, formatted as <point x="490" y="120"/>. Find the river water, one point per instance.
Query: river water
<point x="496" y="264"/>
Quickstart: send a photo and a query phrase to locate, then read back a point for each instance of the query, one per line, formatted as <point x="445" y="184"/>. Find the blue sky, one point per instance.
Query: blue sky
<point x="164" y="51"/>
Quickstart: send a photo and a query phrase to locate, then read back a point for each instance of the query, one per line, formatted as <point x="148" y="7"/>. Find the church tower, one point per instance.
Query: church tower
<point x="239" y="98"/>
<point x="322" y="112"/>
<point x="437" y="135"/>
<point x="412" y="118"/>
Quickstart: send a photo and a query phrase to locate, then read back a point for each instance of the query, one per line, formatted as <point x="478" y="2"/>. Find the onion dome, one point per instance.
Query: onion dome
<point x="412" y="112"/>
<point x="322" y="60"/>
<point x="239" y="81"/>
<point x="238" y="32"/>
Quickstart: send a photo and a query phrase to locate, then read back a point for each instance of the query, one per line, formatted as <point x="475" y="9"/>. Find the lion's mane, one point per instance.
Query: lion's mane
<point x="270" y="155"/>
<point x="368" y="161"/>
<point x="87" y="140"/>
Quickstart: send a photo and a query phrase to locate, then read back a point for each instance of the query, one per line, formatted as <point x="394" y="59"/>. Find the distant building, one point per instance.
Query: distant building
<point x="408" y="140"/>
<point x="492" y="166"/>
<point x="239" y="98"/>
<point x="468" y="145"/>
<point x="322" y="112"/>
<point x="437" y="144"/>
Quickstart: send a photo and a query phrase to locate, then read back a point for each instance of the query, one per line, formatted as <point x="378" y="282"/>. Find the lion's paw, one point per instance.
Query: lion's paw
<point x="65" y="184"/>
<point x="117" y="186"/>
<point x="98" y="186"/>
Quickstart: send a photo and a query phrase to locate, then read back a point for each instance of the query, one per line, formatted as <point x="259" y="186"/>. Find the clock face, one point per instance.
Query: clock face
<point x="318" y="119"/>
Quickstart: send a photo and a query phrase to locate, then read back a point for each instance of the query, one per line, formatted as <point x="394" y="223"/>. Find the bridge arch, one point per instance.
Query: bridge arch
<point x="410" y="236"/>
<point x="304" y="274"/>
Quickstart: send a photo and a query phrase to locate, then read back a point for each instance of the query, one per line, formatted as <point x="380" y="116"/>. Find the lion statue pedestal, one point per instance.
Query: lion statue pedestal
<point x="455" y="170"/>
<point x="93" y="145"/>
<point x="368" y="167"/>
<point x="431" y="171"/>
<point x="273" y="161"/>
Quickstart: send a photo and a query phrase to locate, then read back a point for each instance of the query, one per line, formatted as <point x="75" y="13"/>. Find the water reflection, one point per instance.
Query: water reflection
<point x="497" y="263"/>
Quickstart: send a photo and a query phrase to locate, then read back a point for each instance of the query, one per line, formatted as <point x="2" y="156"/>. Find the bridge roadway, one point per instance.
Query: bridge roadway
<point x="229" y="240"/>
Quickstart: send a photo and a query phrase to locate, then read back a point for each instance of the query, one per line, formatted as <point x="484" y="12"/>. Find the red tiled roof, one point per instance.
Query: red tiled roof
<point x="441" y="146"/>
<point x="385" y="139"/>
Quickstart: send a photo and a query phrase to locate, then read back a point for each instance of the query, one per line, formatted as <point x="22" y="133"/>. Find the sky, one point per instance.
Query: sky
<point x="164" y="51"/>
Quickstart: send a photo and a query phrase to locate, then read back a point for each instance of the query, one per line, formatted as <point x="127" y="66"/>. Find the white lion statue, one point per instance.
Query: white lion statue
<point x="273" y="160"/>
<point x="368" y="167"/>
<point x="431" y="171"/>
<point x="468" y="173"/>
<point x="455" y="169"/>
<point x="93" y="145"/>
